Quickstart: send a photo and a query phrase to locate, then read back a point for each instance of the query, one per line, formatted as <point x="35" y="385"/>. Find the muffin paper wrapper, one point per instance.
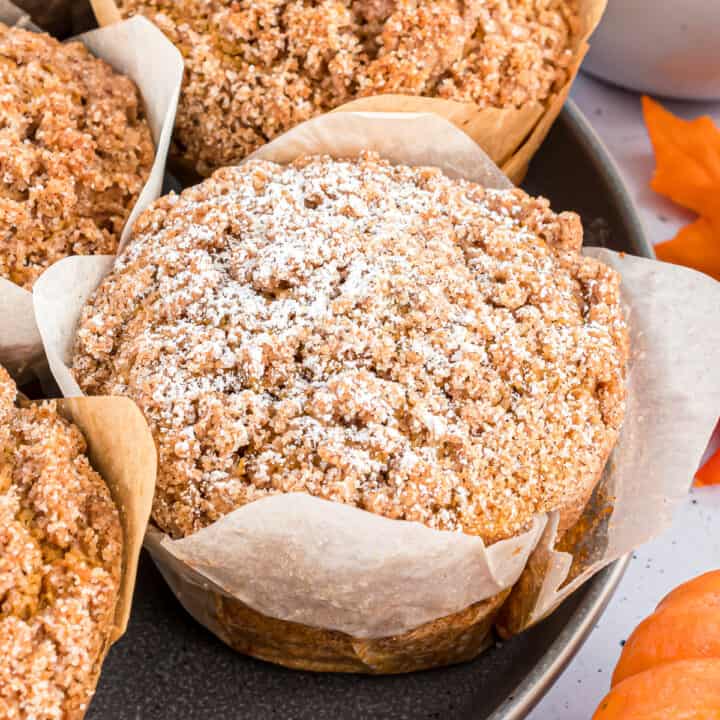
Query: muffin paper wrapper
<point x="135" y="48"/>
<point x="510" y="136"/>
<point x="332" y="566"/>
<point x="122" y="450"/>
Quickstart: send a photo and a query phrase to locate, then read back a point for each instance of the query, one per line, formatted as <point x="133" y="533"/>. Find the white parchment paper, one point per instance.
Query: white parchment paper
<point x="327" y="565"/>
<point x="135" y="48"/>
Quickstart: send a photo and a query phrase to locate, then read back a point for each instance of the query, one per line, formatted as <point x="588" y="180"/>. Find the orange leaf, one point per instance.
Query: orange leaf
<point x="697" y="246"/>
<point x="709" y="473"/>
<point x="687" y="154"/>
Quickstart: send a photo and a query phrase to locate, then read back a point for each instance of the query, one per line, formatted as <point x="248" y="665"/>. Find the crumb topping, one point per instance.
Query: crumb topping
<point x="376" y="335"/>
<point x="60" y="563"/>
<point x="75" y="151"/>
<point x="255" y="68"/>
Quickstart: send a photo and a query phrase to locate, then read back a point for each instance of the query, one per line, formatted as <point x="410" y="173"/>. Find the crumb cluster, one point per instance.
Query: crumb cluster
<point x="377" y="335"/>
<point x="255" y="68"/>
<point x="75" y="151"/>
<point x="60" y="563"/>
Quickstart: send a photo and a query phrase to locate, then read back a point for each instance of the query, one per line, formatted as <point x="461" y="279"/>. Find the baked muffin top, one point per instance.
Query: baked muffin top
<point x="376" y="335"/>
<point x="60" y="563"/>
<point x="75" y="151"/>
<point x="255" y="68"/>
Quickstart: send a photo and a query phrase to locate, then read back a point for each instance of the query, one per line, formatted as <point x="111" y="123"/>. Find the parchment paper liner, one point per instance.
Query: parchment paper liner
<point x="121" y="449"/>
<point x="306" y="561"/>
<point x="139" y="50"/>
<point x="509" y="136"/>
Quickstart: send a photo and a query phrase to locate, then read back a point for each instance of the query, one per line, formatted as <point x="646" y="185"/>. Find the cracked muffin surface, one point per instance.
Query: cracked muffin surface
<point x="75" y="152"/>
<point x="256" y="68"/>
<point x="384" y="336"/>
<point x="60" y="563"/>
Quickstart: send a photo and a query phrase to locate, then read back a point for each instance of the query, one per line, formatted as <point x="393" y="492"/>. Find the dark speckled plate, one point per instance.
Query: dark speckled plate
<point x="167" y="667"/>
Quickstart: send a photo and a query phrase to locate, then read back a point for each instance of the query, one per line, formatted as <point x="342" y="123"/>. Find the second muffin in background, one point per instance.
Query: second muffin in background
<point x="254" y="69"/>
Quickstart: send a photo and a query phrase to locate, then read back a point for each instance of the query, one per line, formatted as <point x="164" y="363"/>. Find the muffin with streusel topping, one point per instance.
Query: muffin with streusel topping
<point x="255" y="68"/>
<point x="75" y="152"/>
<point x="422" y="348"/>
<point x="60" y="563"/>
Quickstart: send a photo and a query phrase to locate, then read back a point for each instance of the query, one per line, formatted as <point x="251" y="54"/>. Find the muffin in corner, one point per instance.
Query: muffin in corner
<point x="60" y="563"/>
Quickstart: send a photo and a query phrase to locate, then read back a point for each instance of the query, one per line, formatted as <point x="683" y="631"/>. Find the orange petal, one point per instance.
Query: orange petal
<point x="687" y="155"/>
<point x="696" y="246"/>
<point x="709" y="473"/>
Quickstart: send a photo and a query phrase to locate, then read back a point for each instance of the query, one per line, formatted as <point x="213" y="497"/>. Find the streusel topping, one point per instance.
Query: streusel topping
<point x="75" y="151"/>
<point x="255" y="68"/>
<point x="60" y="561"/>
<point x="381" y="336"/>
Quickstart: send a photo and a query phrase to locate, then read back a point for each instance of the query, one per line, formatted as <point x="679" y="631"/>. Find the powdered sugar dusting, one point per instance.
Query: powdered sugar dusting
<point x="381" y="336"/>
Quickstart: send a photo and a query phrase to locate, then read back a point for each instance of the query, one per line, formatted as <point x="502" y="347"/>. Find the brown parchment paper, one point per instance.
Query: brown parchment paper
<point x="510" y="136"/>
<point x="122" y="450"/>
<point x="139" y="50"/>
<point x="326" y="565"/>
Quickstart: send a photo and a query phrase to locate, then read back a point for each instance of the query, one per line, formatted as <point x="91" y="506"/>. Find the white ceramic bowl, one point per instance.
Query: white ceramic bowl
<point x="662" y="47"/>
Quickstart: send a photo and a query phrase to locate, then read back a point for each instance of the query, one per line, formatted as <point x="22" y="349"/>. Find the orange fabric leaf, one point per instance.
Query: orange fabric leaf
<point x="687" y="154"/>
<point x="696" y="246"/>
<point x="709" y="473"/>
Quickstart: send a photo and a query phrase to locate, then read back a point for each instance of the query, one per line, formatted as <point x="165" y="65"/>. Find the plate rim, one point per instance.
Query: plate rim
<point x="608" y="169"/>
<point x="548" y="668"/>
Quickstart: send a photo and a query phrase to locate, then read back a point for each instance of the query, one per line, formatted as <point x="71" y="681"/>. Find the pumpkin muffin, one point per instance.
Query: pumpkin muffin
<point x="255" y="68"/>
<point x="75" y="152"/>
<point x="420" y="347"/>
<point x="60" y="563"/>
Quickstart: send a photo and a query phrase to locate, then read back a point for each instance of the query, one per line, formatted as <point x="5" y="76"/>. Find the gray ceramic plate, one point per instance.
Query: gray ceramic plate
<point x="168" y="667"/>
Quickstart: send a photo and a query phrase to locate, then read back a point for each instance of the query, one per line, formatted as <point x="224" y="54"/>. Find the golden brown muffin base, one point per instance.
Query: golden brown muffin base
<point x="446" y="641"/>
<point x="450" y="640"/>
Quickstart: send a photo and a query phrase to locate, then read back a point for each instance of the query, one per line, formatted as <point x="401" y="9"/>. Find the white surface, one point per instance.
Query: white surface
<point x="669" y="48"/>
<point x="692" y="545"/>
